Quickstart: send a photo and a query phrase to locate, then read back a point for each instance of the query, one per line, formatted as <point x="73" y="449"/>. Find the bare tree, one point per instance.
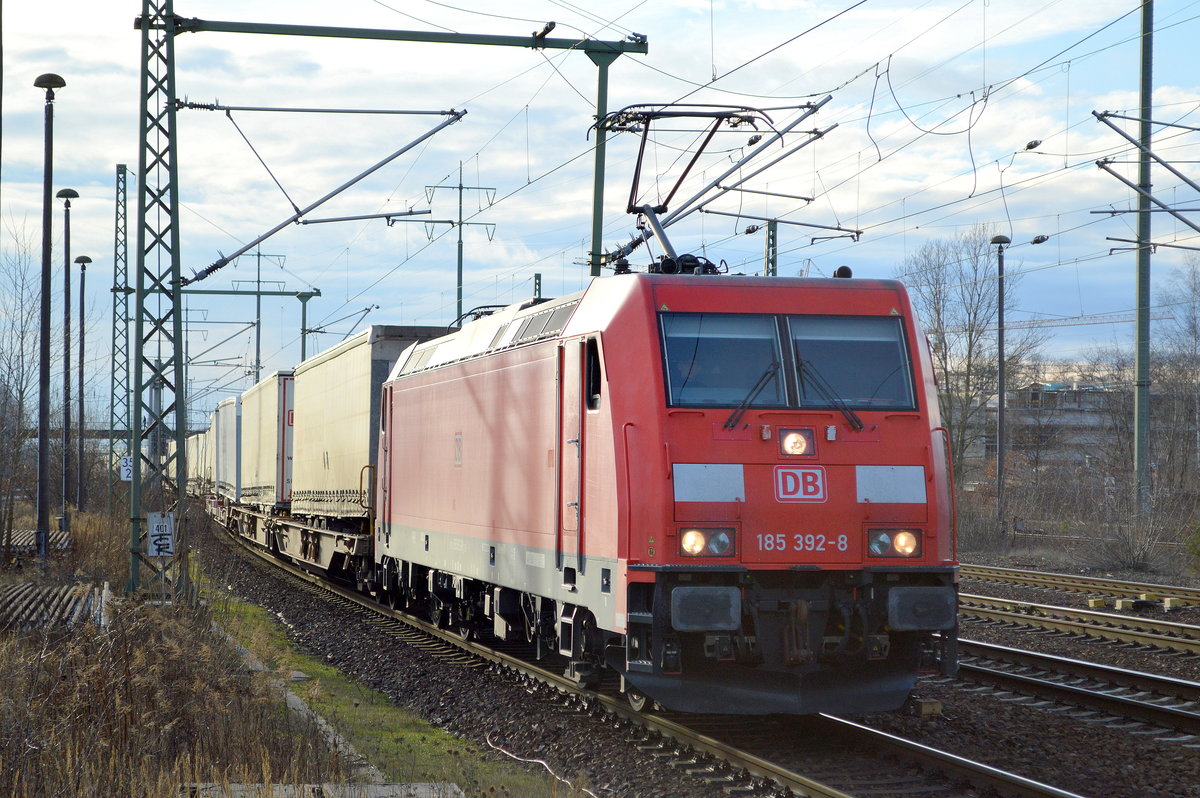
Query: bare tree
<point x="1038" y="425"/>
<point x="1175" y="371"/>
<point x="19" y="302"/>
<point x="953" y="286"/>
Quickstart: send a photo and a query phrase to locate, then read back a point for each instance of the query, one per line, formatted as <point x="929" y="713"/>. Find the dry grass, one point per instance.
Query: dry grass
<point x="159" y="700"/>
<point x="154" y="701"/>
<point x="1086" y="526"/>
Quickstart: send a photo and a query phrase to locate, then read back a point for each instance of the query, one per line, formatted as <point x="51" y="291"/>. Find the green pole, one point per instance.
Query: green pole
<point x="601" y="60"/>
<point x="1141" y="398"/>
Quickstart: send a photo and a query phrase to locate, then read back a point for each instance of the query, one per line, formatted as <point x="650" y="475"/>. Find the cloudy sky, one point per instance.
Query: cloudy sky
<point x="933" y="106"/>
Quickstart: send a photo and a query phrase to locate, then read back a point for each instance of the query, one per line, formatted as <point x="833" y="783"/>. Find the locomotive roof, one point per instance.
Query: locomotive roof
<point x="532" y="320"/>
<point x="514" y="325"/>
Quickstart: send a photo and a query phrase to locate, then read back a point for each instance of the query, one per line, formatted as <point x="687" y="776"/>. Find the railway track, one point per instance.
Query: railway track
<point x="1080" y="584"/>
<point x="1180" y="637"/>
<point x="1161" y="701"/>
<point x="846" y="755"/>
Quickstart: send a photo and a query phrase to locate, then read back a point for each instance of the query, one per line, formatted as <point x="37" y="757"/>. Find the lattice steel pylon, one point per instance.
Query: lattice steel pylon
<point x="159" y="479"/>
<point x="119" y="399"/>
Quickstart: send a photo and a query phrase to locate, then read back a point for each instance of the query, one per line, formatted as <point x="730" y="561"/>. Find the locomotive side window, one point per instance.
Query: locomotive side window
<point x="722" y="359"/>
<point x="861" y="362"/>
<point x="594" y="383"/>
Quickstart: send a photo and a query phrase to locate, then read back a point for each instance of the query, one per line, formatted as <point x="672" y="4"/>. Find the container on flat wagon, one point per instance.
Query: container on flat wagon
<point x="227" y="421"/>
<point x="195" y="448"/>
<point x="337" y="420"/>
<point x="267" y="413"/>
<point x="209" y="451"/>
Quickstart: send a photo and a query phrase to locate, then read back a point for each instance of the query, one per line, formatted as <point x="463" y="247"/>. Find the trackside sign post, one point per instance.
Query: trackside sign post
<point x="160" y="534"/>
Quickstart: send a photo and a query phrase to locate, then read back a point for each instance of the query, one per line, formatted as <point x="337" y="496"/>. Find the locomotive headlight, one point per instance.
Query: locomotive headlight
<point x="718" y="542"/>
<point x="879" y="542"/>
<point x="692" y="542"/>
<point x="894" y="542"/>
<point x="796" y="442"/>
<point x="905" y="543"/>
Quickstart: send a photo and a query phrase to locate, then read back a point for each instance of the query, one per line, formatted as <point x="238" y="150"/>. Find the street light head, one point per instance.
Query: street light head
<point x="1041" y="239"/>
<point x="49" y="81"/>
<point x="83" y="261"/>
<point x="67" y="194"/>
<point x="1001" y="240"/>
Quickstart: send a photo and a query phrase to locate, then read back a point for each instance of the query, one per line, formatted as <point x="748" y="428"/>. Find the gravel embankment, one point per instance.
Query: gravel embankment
<point x="1093" y="758"/>
<point x="473" y="703"/>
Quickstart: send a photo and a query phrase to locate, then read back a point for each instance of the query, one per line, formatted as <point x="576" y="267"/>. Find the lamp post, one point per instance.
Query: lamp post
<point x="66" y="195"/>
<point x="80" y="482"/>
<point x="49" y="82"/>
<point x="1000" y="242"/>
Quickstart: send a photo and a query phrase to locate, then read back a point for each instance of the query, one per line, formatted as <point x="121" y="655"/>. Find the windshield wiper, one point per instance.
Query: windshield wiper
<point x="827" y="393"/>
<point x="755" y="390"/>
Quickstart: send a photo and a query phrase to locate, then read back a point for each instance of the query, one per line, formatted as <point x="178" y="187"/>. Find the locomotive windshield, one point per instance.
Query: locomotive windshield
<point x="863" y="361"/>
<point x="719" y="359"/>
<point x="841" y="362"/>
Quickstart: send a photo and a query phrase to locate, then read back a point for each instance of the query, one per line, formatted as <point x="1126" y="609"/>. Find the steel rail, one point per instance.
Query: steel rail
<point x="1007" y="784"/>
<point x="1101" y="697"/>
<point x="1079" y="584"/>
<point x="754" y="765"/>
<point x="1167" y="685"/>
<point x="1127" y="628"/>
<point x="977" y="773"/>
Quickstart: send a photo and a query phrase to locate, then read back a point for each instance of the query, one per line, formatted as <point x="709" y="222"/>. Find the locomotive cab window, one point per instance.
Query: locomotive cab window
<point x="736" y="360"/>
<point x="593" y="381"/>
<point x="860" y="362"/>
<point x="722" y="359"/>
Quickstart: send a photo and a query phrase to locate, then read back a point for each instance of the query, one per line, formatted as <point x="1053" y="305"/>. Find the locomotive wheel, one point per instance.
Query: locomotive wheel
<point x="638" y="702"/>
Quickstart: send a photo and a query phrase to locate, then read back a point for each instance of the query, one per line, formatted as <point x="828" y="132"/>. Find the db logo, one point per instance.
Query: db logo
<point x="800" y="484"/>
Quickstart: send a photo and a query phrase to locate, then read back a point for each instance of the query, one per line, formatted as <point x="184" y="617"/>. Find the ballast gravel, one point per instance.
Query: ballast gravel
<point x="1090" y="756"/>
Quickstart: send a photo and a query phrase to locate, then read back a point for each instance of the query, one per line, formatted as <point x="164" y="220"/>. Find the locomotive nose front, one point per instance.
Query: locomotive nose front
<point x="805" y="566"/>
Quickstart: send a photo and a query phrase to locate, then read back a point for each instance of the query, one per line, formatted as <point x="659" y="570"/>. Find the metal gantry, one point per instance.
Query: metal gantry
<point x="159" y="481"/>
<point x="601" y="53"/>
<point x="119" y="399"/>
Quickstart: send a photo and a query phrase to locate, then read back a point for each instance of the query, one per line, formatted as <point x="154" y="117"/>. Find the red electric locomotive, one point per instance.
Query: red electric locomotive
<point x="732" y="491"/>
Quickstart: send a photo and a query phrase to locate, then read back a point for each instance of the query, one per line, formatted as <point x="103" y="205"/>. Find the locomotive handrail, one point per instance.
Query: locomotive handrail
<point x="365" y="499"/>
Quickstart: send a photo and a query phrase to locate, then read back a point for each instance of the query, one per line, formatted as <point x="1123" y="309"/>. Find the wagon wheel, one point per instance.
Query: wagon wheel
<point x="463" y="627"/>
<point x="437" y="611"/>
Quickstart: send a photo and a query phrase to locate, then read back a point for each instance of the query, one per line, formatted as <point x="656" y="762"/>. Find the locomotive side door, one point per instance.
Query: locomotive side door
<point x="383" y="517"/>
<point x="570" y="456"/>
